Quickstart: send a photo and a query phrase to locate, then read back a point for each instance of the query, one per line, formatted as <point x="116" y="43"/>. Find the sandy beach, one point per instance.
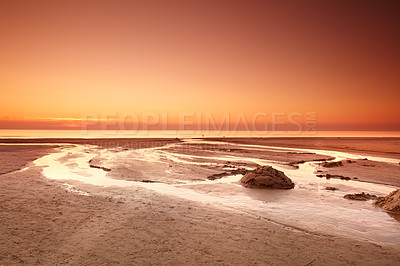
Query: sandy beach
<point x="153" y="202"/>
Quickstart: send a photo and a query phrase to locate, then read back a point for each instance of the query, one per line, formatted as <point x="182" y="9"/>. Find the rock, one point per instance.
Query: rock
<point x="149" y="181"/>
<point x="217" y="176"/>
<point x="329" y="176"/>
<point x="100" y="167"/>
<point x="362" y="196"/>
<point x="390" y="202"/>
<point x="332" y="164"/>
<point x="331" y="188"/>
<point x="266" y="177"/>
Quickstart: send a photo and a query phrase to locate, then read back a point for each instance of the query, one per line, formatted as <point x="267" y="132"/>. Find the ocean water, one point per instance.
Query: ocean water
<point x="12" y="133"/>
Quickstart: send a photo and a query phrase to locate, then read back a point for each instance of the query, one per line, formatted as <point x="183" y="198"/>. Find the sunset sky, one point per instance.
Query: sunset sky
<point x="61" y="60"/>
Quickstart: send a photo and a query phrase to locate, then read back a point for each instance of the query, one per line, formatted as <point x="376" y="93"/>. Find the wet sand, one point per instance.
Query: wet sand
<point x="362" y="170"/>
<point x="367" y="171"/>
<point x="44" y="223"/>
<point x="385" y="146"/>
<point x="15" y="157"/>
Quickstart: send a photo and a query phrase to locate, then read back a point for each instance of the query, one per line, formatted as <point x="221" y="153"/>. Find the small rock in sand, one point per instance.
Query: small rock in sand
<point x="148" y="181"/>
<point x="331" y="188"/>
<point x="332" y="164"/>
<point x="100" y="167"/>
<point x="329" y="176"/>
<point x="361" y="196"/>
<point x="266" y="177"/>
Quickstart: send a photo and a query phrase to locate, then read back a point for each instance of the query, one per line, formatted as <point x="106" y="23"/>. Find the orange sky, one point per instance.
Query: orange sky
<point x="60" y="60"/>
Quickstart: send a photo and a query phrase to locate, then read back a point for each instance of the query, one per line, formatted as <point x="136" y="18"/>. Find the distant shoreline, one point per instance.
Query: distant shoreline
<point x="196" y="133"/>
<point x="381" y="145"/>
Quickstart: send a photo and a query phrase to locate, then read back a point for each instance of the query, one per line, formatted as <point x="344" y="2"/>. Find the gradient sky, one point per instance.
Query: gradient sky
<point x="61" y="59"/>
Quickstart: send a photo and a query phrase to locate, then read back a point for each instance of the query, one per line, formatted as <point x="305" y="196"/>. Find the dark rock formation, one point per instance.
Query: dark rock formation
<point x="391" y="202"/>
<point x="266" y="177"/>
<point x="329" y="176"/>
<point x="100" y="167"/>
<point x="362" y="196"/>
<point x="332" y="164"/>
<point x="331" y="188"/>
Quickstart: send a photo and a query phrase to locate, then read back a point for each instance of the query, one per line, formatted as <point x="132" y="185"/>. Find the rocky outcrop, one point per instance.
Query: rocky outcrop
<point x="332" y="164"/>
<point x="361" y="196"/>
<point x="266" y="177"/>
<point x="390" y="202"/>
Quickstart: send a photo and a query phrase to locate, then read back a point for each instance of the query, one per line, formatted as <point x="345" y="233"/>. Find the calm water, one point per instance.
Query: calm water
<point x="185" y="134"/>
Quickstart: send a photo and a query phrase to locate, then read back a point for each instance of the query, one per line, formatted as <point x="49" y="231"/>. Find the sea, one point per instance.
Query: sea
<point x="20" y="133"/>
